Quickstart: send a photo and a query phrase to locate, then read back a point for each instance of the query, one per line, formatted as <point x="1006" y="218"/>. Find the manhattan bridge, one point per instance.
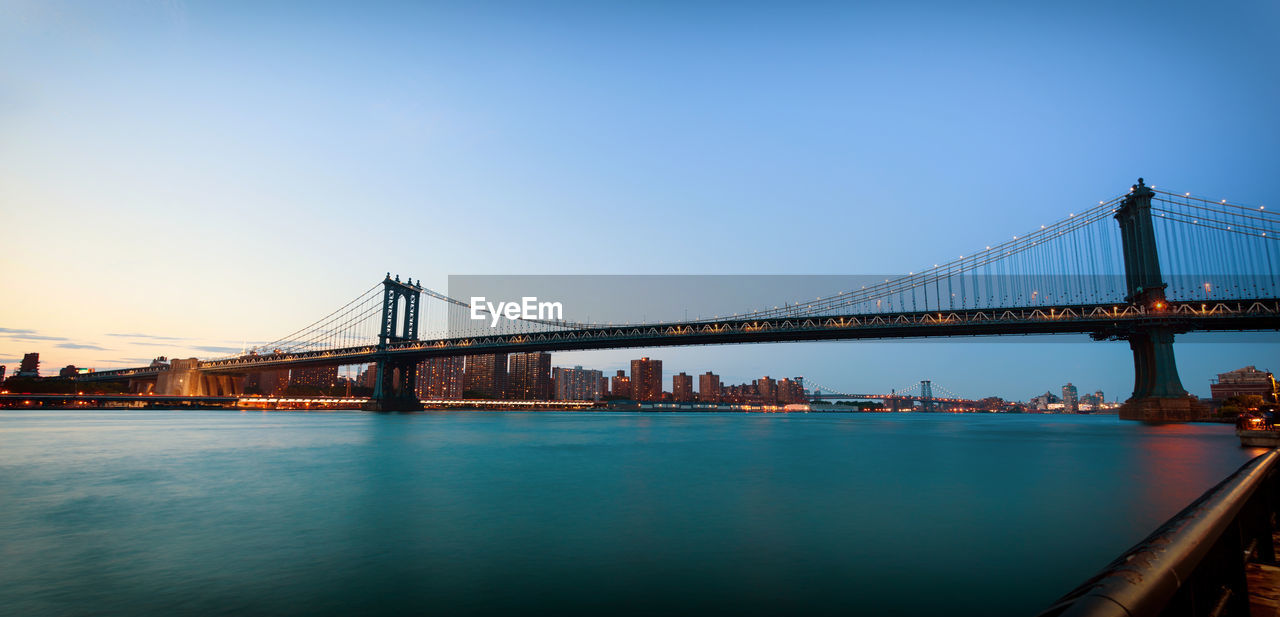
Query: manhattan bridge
<point x="1144" y="267"/>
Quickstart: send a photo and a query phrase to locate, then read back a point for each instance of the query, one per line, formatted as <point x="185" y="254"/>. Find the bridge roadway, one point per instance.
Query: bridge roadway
<point x="1098" y="320"/>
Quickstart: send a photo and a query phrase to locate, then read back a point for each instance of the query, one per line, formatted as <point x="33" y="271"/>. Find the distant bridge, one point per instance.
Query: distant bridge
<point x="917" y="393"/>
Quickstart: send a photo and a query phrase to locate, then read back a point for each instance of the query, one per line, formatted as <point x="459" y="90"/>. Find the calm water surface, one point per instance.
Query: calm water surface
<point x="347" y="513"/>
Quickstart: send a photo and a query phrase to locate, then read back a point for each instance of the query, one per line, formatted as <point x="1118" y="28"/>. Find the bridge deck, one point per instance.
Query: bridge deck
<point x="1094" y="319"/>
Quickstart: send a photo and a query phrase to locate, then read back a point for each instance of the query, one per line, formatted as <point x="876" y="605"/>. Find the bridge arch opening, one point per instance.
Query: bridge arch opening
<point x="402" y="316"/>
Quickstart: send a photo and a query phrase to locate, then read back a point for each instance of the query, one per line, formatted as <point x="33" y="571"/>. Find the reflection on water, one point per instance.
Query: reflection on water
<point x="1173" y="461"/>
<point x="220" y="512"/>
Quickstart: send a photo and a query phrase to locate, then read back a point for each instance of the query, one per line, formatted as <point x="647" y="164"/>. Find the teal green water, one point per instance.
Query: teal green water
<point x="347" y="513"/>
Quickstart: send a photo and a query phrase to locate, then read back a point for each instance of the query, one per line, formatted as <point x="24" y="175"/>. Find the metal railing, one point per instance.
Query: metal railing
<point x="1194" y="564"/>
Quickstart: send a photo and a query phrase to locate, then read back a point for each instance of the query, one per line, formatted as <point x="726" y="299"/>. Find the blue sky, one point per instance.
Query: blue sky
<point x="214" y="173"/>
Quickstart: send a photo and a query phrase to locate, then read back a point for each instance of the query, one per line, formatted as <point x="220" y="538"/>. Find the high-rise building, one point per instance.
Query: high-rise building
<point x="440" y="378"/>
<point x="321" y="377"/>
<point x="30" y="366"/>
<point x="791" y="391"/>
<point x="368" y="378"/>
<point x="709" y="387"/>
<point x="2" y="370"/>
<point x="577" y="384"/>
<point x="621" y="385"/>
<point x="1070" y="399"/>
<point x="529" y="376"/>
<point x="768" y="390"/>
<point x="604" y="385"/>
<point x="646" y="379"/>
<point x="681" y="387"/>
<point x="485" y="375"/>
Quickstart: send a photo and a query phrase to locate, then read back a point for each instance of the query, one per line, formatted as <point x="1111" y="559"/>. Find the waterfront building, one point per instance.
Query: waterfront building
<point x="1043" y="401"/>
<point x="30" y="366"/>
<point x="646" y="379"/>
<point x="604" y="386"/>
<point x="440" y="378"/>
<point x="1089" y="402"/>
<point x="621" y="385"/>
<point x="1070" y="398"/>
<point x="745" y="394"/>
<point x="709" y="387"/>
<point x="1092" y="402"/>
<point x="529" y="376"/>
<point x="1244" y="381"/>
<point x="485" y="375"/>
<point x="577" y="384"/>
<point x="682" y="387"/>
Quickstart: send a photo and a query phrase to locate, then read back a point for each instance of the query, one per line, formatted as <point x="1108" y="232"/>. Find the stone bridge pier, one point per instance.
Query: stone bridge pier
<point x="184" y="378"/>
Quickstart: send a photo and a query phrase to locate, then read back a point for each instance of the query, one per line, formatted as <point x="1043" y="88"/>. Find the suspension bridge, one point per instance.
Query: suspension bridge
<point x="1142" y="267"/>
<point x="898" y="398"/>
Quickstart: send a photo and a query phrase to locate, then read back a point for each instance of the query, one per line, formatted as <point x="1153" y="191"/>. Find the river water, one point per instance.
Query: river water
<point x="349" y="513"/>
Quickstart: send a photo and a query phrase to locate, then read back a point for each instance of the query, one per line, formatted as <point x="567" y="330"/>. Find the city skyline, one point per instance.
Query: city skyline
<point x="190" y="197"/>
<point x="448" y="377"/>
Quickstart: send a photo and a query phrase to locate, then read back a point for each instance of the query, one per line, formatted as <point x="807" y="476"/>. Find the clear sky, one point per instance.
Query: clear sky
<point x="198" y="175"/>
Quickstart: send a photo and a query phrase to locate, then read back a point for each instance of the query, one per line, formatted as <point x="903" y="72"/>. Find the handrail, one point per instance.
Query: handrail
<point x="1193" y="564"/>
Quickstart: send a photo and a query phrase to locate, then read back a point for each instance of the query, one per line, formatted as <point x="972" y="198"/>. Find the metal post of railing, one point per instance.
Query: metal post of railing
<point x="1195" y="563"/>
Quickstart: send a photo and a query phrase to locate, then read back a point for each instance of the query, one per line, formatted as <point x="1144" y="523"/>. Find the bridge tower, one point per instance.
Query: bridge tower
<point x="1158" y="395"/>
<point x="926" y="395"/>
<point x="395" y="387"/>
